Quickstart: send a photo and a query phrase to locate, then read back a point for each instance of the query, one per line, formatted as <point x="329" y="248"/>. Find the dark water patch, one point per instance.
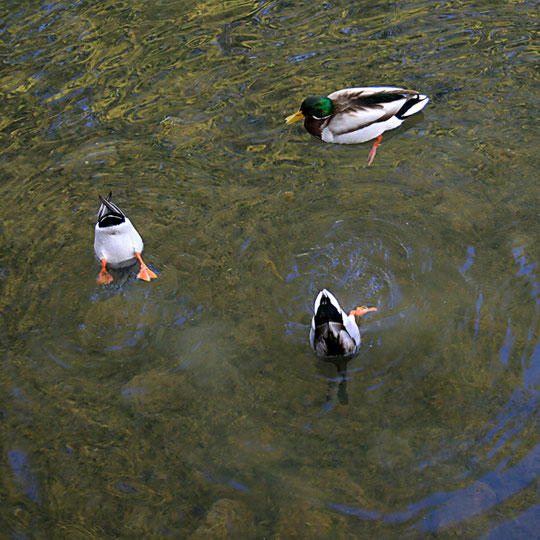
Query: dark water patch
<point x="178" y="406"/>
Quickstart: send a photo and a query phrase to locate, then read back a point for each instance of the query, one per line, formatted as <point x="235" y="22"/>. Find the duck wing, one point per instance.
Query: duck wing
<point x="332" y="339"/>
<point x="357" y="108"/>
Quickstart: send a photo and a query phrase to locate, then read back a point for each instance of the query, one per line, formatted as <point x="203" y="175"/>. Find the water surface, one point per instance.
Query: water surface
<point x="193" y="405"/>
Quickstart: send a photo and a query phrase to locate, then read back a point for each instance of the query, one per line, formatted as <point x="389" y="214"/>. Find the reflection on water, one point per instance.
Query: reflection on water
<point x="193" y="406"/>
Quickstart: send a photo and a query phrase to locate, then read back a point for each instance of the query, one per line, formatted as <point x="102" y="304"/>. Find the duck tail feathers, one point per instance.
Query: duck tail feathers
<point x="413" y="106"/>
<point x="108" y="208"/>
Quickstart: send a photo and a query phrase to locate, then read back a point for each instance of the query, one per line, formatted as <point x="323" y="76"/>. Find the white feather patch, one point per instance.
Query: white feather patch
<point x="361" y="135"/>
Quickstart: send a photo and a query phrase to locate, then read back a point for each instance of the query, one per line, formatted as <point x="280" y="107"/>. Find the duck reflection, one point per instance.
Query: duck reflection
<point x="335" y="371"/>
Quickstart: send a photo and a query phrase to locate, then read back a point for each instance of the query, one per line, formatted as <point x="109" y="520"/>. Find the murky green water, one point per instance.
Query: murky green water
<point x="193" y="406"/>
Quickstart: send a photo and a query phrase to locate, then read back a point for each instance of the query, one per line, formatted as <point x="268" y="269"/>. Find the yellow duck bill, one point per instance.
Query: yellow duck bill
<point x="294" y="117"/>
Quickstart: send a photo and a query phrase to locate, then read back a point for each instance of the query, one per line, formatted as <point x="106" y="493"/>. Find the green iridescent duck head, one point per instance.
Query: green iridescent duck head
<point x="312" y="107"/>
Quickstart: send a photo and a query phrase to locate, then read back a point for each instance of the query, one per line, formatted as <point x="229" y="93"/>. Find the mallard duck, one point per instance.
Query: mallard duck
<point x="357" y="115"/>
<point x="116" y="242"/>
<point x="333" y="332"/>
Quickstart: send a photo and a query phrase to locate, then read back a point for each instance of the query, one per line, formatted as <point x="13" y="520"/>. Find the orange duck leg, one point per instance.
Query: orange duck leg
<point x="144" y="273"/>
<point x="104" y="276"/>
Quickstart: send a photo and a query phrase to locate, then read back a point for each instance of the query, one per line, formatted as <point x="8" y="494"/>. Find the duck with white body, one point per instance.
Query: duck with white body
<point x="116" y="242"/>
<point x="358" y="115"/>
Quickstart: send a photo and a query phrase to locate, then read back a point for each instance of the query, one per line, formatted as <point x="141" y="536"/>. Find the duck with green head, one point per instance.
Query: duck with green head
<point x="358" y="115"/>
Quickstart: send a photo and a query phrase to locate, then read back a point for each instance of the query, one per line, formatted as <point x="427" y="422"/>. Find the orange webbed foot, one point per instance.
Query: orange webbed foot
<point x="373" y="150"/>
<point x="104" y="277"/>
<point x="362" y="310"/>
<point x="144" y="273"/>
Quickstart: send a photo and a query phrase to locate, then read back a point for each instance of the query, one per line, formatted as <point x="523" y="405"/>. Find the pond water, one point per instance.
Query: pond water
<point x="193" y="406"/>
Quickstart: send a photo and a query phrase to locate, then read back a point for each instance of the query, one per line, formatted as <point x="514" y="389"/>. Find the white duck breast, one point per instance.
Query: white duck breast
<point x="332" y="332"/>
